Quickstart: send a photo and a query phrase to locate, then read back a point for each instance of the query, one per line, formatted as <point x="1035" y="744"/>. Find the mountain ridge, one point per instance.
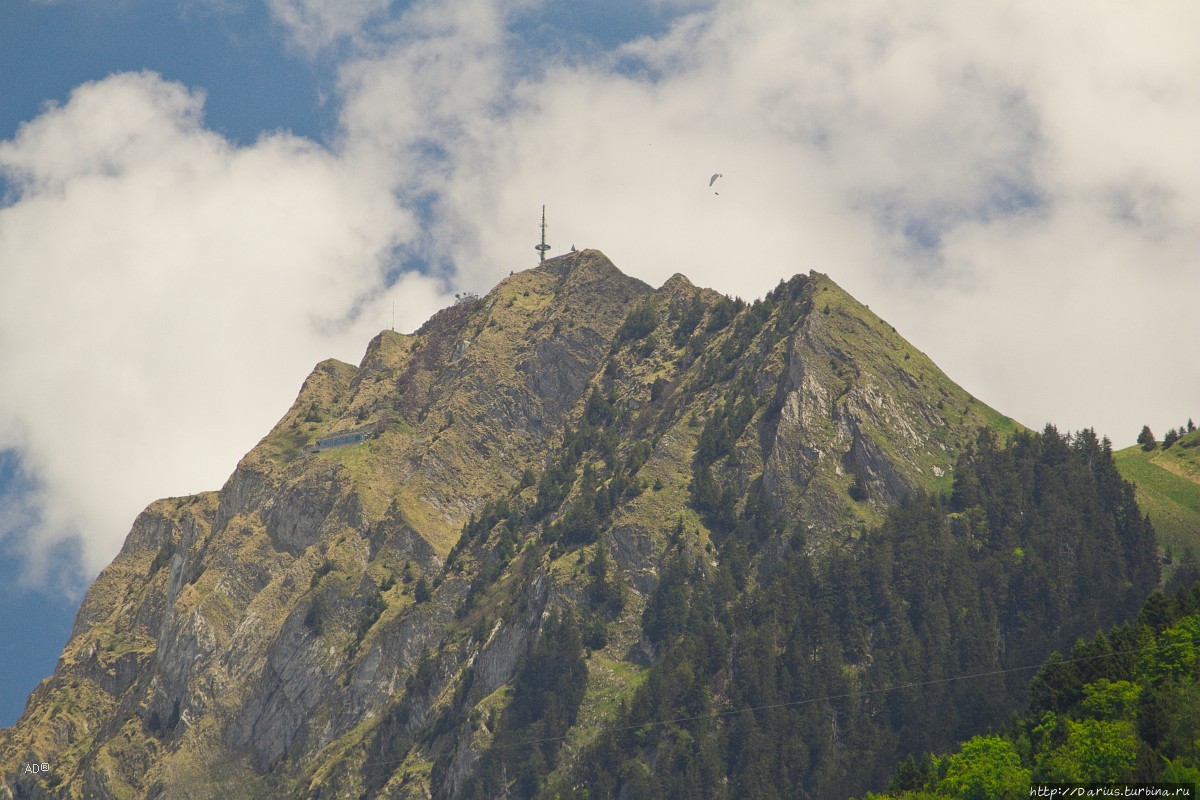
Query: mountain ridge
<point x="282" y="627"/>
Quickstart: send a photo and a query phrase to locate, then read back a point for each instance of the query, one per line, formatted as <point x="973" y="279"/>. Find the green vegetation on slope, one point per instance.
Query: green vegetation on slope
<point x="1123" y="708"/>
<point x="667" y="454"/>
<point x="940" y="586"/>
<point x="1168" y="490"/>
<point x="775" y="683"/>
<point x="586" y="510"/>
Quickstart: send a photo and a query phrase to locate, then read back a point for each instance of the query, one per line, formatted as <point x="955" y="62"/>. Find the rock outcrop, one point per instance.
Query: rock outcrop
<point x="321" y="627"/>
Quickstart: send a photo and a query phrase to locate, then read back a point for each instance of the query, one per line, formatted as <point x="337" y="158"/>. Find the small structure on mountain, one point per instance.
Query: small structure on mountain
<point x="343" y="438"/>
<point x="543" y="247"/>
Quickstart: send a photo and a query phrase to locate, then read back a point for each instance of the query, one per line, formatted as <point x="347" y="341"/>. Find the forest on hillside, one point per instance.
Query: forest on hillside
<point x="778" y="676"/>
<point x="1122" y="707"/>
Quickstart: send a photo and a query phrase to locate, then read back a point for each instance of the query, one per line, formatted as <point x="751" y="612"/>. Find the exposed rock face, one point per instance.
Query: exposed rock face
<point x="285" y="635"/>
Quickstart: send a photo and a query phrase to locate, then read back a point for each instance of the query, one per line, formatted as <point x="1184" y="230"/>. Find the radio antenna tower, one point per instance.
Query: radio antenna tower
<point x="543" y="247"/>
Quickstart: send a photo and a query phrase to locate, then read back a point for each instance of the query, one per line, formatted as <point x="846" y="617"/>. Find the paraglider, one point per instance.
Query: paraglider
<point x="713" y="179"/>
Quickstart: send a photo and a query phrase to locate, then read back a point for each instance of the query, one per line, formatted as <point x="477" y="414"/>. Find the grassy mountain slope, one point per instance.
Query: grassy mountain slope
<point x="774" y="670"/>
<point x="185" y="644"/>
<point x="372" y="620"/>
<point x="1168" y="489"/>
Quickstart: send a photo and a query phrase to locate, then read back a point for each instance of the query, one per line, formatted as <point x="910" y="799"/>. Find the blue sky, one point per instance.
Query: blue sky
<point x="201" y="199"/>
<point x="34" y="623"/>
<point x="254" y="81"/>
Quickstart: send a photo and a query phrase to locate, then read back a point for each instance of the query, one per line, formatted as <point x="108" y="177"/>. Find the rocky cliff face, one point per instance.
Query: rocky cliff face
<point x="347" y="621"/>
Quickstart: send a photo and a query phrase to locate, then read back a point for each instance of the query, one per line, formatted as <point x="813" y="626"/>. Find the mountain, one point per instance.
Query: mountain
<point x="486" y="561"/>
<point x="1167" y="477"/>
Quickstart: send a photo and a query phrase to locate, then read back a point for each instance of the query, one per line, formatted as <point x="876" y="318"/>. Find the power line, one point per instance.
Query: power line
<point x="825" y="698"/>
<point x="845" y="695"/>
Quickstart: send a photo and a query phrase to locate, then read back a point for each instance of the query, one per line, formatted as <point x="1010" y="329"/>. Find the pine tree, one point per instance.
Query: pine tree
<point x="1146" y="438"/>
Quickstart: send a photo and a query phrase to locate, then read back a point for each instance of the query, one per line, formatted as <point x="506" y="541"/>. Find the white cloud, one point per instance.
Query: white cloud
<point x="315" y="24"/>
<point x="165" y="292"/>
<point x="1013" y="186"/>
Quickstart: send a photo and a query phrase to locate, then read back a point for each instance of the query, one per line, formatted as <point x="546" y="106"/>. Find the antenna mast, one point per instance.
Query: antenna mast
<point x="543" y="247"/>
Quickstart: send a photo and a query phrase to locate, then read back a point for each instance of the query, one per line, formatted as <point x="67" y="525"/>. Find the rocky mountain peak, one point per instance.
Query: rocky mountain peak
<point x="346" y="617"/>
<point x="677" y="283"/>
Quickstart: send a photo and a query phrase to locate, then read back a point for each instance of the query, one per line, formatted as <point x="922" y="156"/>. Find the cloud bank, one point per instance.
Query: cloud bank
<point x="164" y="292"/>
<point x="1013" y="186"/>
